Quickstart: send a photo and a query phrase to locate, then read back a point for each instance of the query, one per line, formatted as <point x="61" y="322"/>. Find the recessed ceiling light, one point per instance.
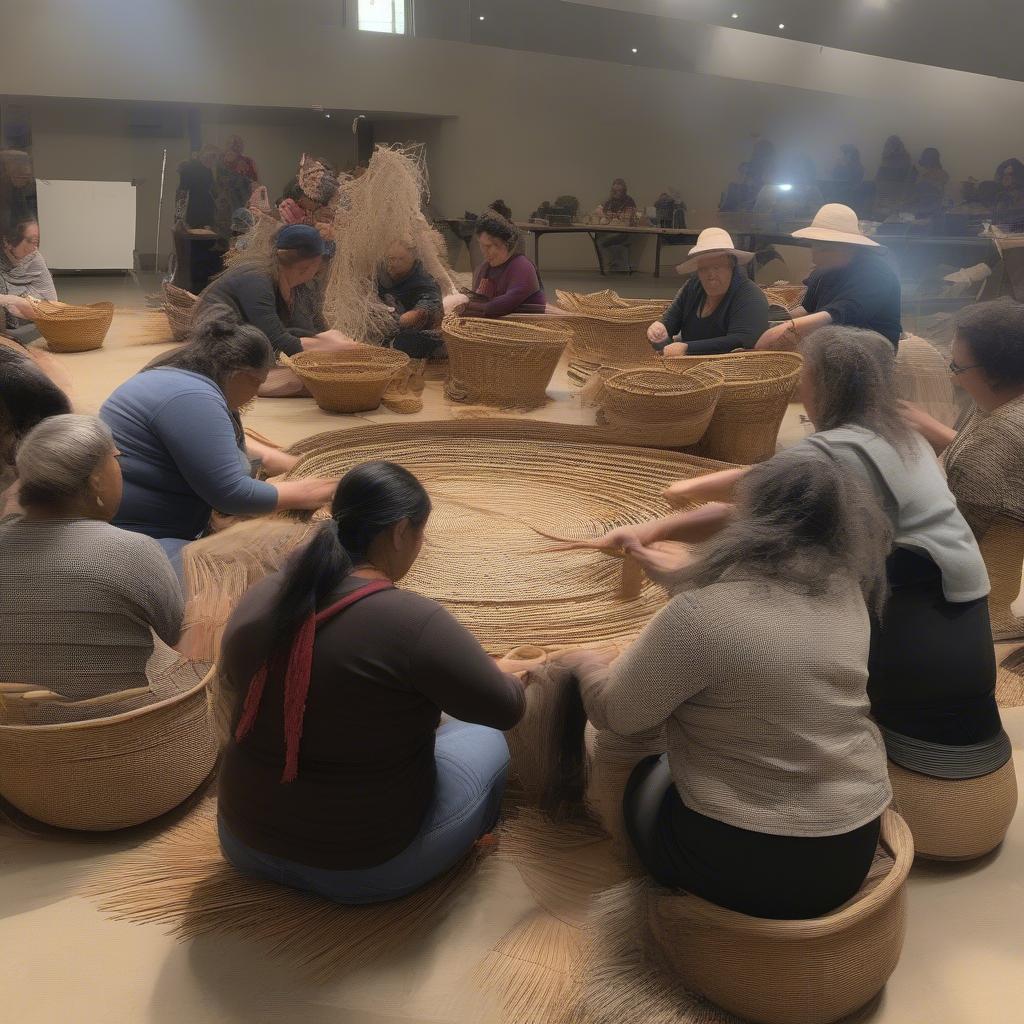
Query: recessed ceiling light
<point x="634" y="49"/>
<point x="734" y="15"/>
<point x="781" y="25"/>
<point x="327" y="115"/>
<point x="482" y="18"/>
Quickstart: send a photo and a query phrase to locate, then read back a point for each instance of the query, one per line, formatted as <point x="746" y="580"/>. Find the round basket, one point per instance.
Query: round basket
<point x="791" y="972"/>
<point x="348" y="381"/>
<point x="503" y="490"/>
<point x="73" y="328"/>
<point x="784" y="294"/>
<point x="1002" y="548"/>
<point x="955" y="819"/>
<point x="111" y="773"/>
<point x="758" y="387"/>
<point x="609" y="331"/>
<point x="180" y="307"/>
<point x="501" y="363"/>
<point x="661" y="407"/>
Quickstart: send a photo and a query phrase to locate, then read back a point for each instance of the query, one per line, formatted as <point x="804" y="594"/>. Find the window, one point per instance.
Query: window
<point x="382" y="16"/>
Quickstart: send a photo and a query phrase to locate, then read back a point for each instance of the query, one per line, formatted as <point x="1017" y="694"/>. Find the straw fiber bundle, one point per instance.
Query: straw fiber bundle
<point x="257" y="248"/>
<point x="784" y="294"/>
<point x="758" y="386"/>
<point x="661" y="407"/>
<point x="382" y="206"/>
<point x="494" y="362"/>
<point x="111" y="773"/>
<point x="922" y="377"/>
<point x="1002" y="548"/>
<point x="791" y="972"/>
<point x="180" y="307"/>
<point x="69" y="328"/>
<point x="139" y="327"/>
<point x="219" y="569"/>
<point x="181" y="879"/>
<point x="353" y="380"/>
<point x="955" y="819"/>
<point x="502" y="489"/>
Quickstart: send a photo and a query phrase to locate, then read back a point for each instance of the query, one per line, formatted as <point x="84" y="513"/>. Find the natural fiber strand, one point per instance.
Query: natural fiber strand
<point x="181" y="879"/>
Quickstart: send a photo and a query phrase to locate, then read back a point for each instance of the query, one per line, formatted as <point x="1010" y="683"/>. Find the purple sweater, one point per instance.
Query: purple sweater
<point x="514" y="287"/>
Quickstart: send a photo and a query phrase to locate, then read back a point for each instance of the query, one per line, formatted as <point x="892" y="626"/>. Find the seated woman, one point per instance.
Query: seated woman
<point x="23" y="276"/>
<point x="985" y="456"/>
<point x="717" y="310"/>
<point x="506" y="282"/>
<point x="850" y="284"/>
<point x="405" y="286"/>
<point x="183" y="452"/>
<point x="618" y="208"/>
<point x="932" y="667"/>
<point x="770" y="797"/>
<point x="80" y="599"/>
<point x="358" y="795"/>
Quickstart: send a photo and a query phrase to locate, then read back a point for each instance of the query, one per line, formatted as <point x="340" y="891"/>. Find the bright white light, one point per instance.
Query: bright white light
<point x="734" y="15"/>
<point x="782" y="26"/>
<point x="634" y="49"/>
<point x="785" y="188"/>
<point x="327" y="116"/>
<point x="482" y="18"/>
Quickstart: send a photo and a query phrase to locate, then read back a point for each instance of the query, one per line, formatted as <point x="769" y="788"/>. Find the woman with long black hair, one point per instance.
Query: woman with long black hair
<point x="337" y="778"/>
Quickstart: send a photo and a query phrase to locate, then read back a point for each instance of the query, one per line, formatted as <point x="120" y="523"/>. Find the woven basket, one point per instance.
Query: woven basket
<point x="111" y="773"/>
<point x="180" y="307"/>
<point x="790" y="972"/>
<point x="955" y="819"/>
<point x="609" y="331"/>
<point x="348" y="381"/>
<point x="922" y="377"/>
<point x="1002" y="548"/>
<point x="758" y="387"/>
<point x="784" y="294"/>
<point x="501" y="363"/>
<point x="661" y="407"/>
<point x="73" y="328"/>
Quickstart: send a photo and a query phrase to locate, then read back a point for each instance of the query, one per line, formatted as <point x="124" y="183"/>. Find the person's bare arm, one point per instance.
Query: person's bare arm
<point x="273" y="459"/>
<point x="720" y="486"/>
<point x="691" y="527"/>
<point x="304" y="494"/>
<point x="330" y="341"/>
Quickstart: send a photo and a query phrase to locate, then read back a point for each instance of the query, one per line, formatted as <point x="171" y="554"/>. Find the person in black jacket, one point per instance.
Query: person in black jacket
<point x="717" y="310"/>
<point x="851" y="284"/>
<point x="405" y="286"/>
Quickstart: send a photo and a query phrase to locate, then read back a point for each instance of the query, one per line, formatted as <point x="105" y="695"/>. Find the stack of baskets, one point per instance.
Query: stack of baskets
<point x="180" y="307"/>
<point x="73" y="328"/>
<point x="348" y="381"/>
<point x="608" y="329"/>
<point x="502" y="363"/>
<point x="754" y="399"/>
<point x="660" y="407"/>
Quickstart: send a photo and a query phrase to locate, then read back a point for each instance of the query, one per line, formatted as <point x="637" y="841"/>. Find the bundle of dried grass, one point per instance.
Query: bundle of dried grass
<point x="181" y="879"/>
<point x="380" y="207"/>
<point x="256" y="247"/>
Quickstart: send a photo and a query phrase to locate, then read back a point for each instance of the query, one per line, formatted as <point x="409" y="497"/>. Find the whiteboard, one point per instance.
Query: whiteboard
<point x="87" y="225"/>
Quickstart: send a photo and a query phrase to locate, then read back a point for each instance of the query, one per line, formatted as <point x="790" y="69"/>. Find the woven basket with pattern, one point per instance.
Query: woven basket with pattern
<point x="348" y="381"/>
<point x="791" y="972"/>
<point x="73" y="328"/>
<point x="501" y="363"/>
<point x="659" y="406"/>
<point x="114" y="772"/>
<point x="180" y="307"/>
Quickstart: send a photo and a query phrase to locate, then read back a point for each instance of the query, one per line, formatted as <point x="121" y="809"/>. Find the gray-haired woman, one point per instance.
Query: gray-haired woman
<point x="769" y="799"/>
<point x="80" y="599"/>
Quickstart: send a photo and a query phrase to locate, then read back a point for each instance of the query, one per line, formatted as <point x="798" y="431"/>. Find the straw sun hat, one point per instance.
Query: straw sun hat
<point x="835" y="223"/>
<point x="713" y="241"/>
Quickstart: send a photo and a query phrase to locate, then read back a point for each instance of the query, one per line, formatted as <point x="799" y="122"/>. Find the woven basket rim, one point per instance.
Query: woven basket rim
<point x="462" y="328"/>
<point x="119" y="719"/>
<point x="620" y="381"/>
<point x="67" y="312"/>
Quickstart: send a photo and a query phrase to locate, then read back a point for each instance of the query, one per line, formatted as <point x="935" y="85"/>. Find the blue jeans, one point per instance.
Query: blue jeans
<point x="472" y="763"/>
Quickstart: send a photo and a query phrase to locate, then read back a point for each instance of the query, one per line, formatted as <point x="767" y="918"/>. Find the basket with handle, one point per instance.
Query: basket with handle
<point x="501" y="363"/>
<point x="659" y="406"/>
<point x="352" y="380"/>
<point x="73" y="328"/>
<point x="180" y="307"/>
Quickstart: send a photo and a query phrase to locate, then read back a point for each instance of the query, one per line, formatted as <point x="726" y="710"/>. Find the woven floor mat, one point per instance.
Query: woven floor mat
<point x="181" y="879"/>
<point x="503" y="492"/>
<point x="133" y="326"/>
<point x="1010" y="681"/>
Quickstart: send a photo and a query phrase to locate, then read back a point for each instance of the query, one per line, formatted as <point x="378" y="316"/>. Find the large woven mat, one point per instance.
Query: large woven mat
<point x="501" y="489"/>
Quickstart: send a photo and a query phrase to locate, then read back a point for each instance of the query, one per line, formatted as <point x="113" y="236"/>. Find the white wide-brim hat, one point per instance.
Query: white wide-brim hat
<point x="835" y="223"/>
<point x="714" y="242"/>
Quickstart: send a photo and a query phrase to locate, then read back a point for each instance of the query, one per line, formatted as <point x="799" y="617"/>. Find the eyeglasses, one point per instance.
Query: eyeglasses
<point x="957" y="370"/>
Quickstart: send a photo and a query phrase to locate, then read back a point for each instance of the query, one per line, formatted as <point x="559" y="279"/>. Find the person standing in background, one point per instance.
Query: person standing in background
<point x="196" y="186"/>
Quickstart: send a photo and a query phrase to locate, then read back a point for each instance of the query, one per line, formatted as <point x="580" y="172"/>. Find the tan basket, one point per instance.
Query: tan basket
<point x="501" y="363"/>
<point x="73" y="328"/>
<point x="784" y="294"/>
<point x="1002" y="548"/>
<point x="111" y="773"/>
<point x="180" y="307"/>
<point x="348" y="381"/>
<point x="758" y="387"/>
<point x="923" y="377"/>
<point x="955" y="819"/>
<point x="660" y="406"/>
<point x="790" y="972"/>
<point x="609" y="330"/>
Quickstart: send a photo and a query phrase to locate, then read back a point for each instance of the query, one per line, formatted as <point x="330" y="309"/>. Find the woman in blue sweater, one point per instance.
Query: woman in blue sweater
<point x="183" y="451"/>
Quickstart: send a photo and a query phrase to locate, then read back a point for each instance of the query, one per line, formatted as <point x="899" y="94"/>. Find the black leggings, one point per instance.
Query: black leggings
<point x="781" y="877"/>
<point x="932" y="668"/>
<point x="418" y="344"/>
